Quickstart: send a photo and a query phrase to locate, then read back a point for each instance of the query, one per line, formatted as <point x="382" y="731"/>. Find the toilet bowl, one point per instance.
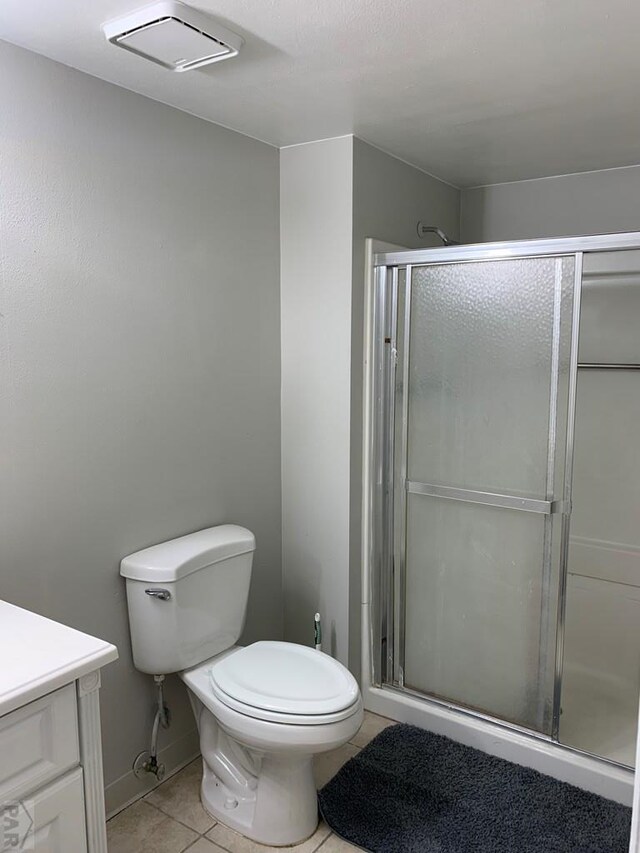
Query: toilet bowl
<point x="264" y="710"/>
<point x="261" y="719"/>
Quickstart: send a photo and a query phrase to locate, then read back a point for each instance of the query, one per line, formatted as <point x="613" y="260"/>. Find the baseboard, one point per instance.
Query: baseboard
<point x="127" y="789"/>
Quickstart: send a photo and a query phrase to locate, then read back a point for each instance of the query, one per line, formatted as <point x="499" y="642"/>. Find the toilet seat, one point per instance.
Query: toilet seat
<point x="285" y="683"/>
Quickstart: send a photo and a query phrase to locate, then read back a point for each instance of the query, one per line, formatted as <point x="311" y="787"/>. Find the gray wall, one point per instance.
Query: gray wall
<point x="587" y="203"/>
<point x="140" y="384"/>
<point x="316" y="256"/>
<point x="389" y="198"/>
<point x="334" y="194"/>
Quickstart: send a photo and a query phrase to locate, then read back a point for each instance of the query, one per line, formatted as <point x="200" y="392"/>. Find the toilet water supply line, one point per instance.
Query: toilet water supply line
<point x="148" y="762"/>
<point x="317" y="631"/>
<point x="161" y="719"/>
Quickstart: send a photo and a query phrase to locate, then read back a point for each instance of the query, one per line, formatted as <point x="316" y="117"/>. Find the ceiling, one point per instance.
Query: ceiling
<point x="473" y="92"/>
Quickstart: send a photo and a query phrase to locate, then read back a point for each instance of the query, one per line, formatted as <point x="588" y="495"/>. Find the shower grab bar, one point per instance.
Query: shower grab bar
<point x="594" y="365"/>
<point x="486" y="498"/>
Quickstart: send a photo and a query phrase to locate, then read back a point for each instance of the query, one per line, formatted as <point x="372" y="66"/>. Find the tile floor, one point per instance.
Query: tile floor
<point x="171" y="819"/>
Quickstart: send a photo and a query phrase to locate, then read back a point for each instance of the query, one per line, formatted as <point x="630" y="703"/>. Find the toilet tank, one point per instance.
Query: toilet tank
<point x="187" y="598"/>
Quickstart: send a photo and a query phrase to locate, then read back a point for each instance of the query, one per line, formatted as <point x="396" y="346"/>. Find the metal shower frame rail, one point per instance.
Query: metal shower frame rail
<point x="393" y="276"/>
<point x="509" y="249"/>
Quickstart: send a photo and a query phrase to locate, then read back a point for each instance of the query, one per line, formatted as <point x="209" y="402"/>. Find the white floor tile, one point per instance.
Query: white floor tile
<point x="333" y="844"/>
<point x="142" y="828"/>
<point x="203" y="845"/>
<point x="179" y="797"/>
<point x="371" y="726"/>
<point x="234" y="843"/>
<point x="327" y="764"/>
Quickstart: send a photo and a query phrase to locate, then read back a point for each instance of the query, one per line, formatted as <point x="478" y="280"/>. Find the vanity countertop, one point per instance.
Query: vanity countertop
<point x="40" y="655"/>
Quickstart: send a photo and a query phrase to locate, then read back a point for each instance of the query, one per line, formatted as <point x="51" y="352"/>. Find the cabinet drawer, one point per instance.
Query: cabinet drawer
<point x="49" y="821"/>
<point x="38" y="743"/>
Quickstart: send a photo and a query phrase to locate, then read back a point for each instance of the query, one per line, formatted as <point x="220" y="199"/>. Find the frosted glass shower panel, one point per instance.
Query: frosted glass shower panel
<point x="476" y="609"/>
<point x="481" y="359"/>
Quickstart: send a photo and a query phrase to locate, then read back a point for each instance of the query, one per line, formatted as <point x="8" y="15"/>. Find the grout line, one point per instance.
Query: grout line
<point x="141" y="796"/>
<point x="181" y="822"/>
<point x="193" y="843"/>
<point x="323" y="842"/>
<point x="199" y="838"/>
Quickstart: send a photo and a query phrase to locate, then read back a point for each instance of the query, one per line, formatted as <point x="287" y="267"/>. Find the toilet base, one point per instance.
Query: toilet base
<point x="257" y="774"/>
<point x="268" y="797"/>
<point x="282" y="810"/>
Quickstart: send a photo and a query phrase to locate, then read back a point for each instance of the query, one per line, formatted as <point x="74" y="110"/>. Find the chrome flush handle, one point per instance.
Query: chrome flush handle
<point x="162" y="594"/>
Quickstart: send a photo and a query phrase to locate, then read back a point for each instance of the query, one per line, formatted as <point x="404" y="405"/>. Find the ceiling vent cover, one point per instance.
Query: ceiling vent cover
<point x="173" y="35"/>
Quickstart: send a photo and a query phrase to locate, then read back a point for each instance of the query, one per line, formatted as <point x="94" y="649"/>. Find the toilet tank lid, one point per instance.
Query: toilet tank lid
<point x="170" y="561"/>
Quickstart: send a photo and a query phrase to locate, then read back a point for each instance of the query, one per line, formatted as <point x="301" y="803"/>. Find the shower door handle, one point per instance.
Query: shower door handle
<point x="487" y="498"/>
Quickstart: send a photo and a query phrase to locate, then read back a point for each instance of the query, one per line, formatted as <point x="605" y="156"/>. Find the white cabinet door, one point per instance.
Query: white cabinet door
<point x="38" y="743"/>
<point x="57" y="812"/>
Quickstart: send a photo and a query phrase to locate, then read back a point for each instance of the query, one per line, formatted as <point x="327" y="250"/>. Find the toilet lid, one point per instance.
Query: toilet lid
<point x="285" y="678"/>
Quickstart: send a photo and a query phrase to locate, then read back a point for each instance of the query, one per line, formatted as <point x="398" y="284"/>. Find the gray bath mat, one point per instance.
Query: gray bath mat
<point x="410" y="791"/>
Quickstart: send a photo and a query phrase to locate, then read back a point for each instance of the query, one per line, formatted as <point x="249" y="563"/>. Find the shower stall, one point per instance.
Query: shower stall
<point x="502" y="500"/>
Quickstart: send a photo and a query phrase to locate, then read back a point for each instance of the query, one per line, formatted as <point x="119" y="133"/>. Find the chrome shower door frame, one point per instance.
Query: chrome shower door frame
<point x="387" y="571"/>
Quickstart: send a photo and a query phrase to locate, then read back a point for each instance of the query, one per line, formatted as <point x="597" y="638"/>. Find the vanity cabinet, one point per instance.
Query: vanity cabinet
<point x="51" y="785"/>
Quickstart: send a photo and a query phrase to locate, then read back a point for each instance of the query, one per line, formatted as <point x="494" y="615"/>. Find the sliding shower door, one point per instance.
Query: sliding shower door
<point x="480" y="391"/>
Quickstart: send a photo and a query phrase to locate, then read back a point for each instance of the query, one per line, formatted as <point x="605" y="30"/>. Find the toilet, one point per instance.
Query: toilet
<point x="264" y="710"/>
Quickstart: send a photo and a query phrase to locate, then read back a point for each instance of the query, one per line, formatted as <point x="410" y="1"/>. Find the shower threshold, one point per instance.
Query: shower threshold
<point x="522" y="746"/>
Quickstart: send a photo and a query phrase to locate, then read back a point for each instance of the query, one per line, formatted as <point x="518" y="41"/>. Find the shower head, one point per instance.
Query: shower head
<point x="433" y="229"/>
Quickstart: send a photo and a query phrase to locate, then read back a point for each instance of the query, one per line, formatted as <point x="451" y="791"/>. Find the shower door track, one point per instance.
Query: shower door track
<point x="386" y="570"/>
